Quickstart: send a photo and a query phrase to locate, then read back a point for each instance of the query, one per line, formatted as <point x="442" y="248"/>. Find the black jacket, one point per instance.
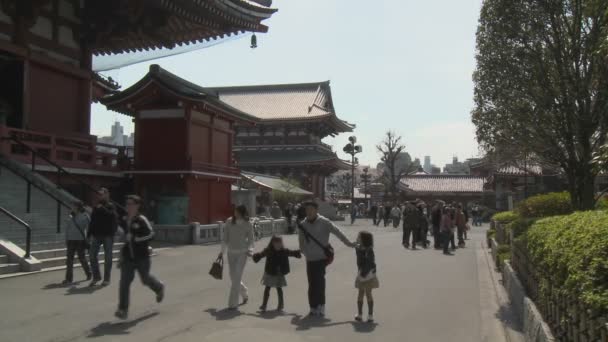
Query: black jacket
<point x="366" y="261"/>
<point x="277" y="262"/>
<point x="104" y="220"/>
<point x="141" y="234"/>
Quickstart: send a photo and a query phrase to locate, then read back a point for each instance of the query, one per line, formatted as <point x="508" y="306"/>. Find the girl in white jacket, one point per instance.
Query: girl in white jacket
<point x="238" y="241"/>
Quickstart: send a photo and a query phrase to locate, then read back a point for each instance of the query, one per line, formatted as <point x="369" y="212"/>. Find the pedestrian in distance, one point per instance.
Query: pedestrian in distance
<point x="275" y="211"/>
<point x="314" y="243"/>
<point x="379" y="215"/>
<point x="446" y="229"/>
<point x="103" y="227"/>
<point x="366" y="279"/>
<point x="135" y="256"/>
<point x="76" y="228"/>
<point x="423" y="225"/>
<point x="396" y="216"/>
<point x="289" y="212"/>
<point x="460" y="223"/>
<point x="275" y="270"/>
<point x="466" y="221"/>
<point x="373" y="212"/>
<point x="387" y="214"/>
<point x="237" y="243"/>
<point x="410" y="225"/>
<point x="436" y="213"/>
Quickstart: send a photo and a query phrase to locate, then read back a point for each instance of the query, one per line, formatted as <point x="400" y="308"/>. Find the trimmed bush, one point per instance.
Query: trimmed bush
<point x="571" y="252"/>
<point x="505" y="216"/>
<point x="520" y="226"/>
<point x="602" y="204"/>
<point x="551" y="204"/>
<point x="503" y="252"/>
<point x="490" y="234"/>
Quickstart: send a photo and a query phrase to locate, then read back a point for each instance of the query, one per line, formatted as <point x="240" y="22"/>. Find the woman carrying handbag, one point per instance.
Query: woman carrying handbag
<point x="238" y="242"/>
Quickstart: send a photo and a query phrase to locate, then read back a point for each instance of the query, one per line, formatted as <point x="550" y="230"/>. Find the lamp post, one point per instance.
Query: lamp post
<point x="365" y="177"/>
<point x="352" y="149"/>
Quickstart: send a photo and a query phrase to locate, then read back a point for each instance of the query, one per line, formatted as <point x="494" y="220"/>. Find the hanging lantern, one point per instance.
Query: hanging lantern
<point x="254" y="41"/>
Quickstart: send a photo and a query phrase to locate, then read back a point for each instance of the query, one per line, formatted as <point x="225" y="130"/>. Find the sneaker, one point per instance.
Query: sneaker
<point x="121" y="314"/>
<point x="321" y="311"/>
<point x="313" y="312"/>
<point x="94" y="282"/>
<point x="160" y="295"/>
<point x="370" y="319"/>
<point x="105" y="283"/>
<point x="358" y="318"/>
<point x="262" y="309"/>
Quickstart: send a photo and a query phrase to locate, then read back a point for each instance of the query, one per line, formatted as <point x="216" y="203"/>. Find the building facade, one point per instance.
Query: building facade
<point x="287" y="140"/>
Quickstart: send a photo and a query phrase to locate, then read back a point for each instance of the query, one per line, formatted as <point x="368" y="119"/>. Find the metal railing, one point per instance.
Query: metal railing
<point x="28" y="231"/>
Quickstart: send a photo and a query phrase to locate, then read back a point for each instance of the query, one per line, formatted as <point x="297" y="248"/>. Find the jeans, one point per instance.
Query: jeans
<point x="315" y="271"/>
<point x="236" y="265"/>
<point x="76" y="247"/>
<point x="127" y="273"/>
<point x="96" y="243"/>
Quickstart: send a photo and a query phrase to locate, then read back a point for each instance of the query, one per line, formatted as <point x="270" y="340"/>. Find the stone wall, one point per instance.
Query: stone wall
<point x="569" y="319"/>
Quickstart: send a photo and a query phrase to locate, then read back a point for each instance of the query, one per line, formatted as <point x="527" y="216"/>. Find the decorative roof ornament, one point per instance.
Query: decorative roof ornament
<point x="254" y="41"/>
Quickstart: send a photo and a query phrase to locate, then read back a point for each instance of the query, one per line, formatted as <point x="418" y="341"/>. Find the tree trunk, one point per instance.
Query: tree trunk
<point x="581" y="182"/>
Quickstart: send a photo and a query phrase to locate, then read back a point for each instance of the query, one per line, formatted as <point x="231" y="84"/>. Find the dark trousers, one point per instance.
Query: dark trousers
<point x="76" y="247"/>
<point x="396" y="221"/>
<point x="461" y="233"/>
<point x="437" y="237"/>
<point x="107" y="242"/>
<point x="447" y="236"/>
<point x="267" y="296"/>
<point x="127" y="273"/>
<point x="386" y="218"/>
<point x="315" y="270"/>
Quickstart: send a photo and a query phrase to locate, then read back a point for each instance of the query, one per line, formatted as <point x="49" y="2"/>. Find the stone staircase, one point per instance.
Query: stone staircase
<point x="6" y="267"/>
<point x="53" y="255"/>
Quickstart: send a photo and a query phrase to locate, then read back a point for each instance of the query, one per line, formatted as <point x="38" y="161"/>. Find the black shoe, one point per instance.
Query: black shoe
<point x="121" y="314"/>
<point x="66" y="282"/>
<point x="262" y="309"/>
<point x="89" y="277"/>
<point x="160" y="295"/>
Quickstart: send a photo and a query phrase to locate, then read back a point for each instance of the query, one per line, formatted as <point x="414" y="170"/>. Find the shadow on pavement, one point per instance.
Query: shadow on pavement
<point x="119" y="328"/>
<point x="82" y="290"/>
<point x="307" y="322"/>
<point x="362" y="327"/>
<point x="506" y="316"/>
<point x="60" y="285"/>
<point x="272" y="314"/>
<point x="224" y="314"/>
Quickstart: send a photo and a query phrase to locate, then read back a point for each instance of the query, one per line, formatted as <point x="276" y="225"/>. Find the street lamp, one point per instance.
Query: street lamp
<point x="353" y="149"/>
<point x="365" y="177"/>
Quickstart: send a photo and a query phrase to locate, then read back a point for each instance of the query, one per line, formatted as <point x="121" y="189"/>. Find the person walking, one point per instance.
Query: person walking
<point x="396" y="216"/>
<point x="475" y="214"/>
<point x="373" y="212"/>
<point x="387" y="214"/>
<point x="275" y="270"/>
<point x="76" y="228"/>
<point x="366" y="279"/>
<point x="410" y="225"/>
<point x="423" y="225"/>
<point x="466" y="221"/>
<point x="289" y="211"/>
<point x="238" y="242"/>
<point x="314" y="244"/>
<point x="379" y="215"/>
<point x="460" y="223"/>
<point x="436" y="213"/>
<point x="103" y="226"/>
<point x="446" y="229"/>
<point x="135" y="256"/>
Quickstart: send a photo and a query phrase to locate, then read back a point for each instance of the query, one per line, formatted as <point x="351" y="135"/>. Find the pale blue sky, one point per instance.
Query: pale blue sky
<point x="404" y="65"/>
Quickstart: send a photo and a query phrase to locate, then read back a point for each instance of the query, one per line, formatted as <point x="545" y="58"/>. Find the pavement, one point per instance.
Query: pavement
<point x="423" y="296"/>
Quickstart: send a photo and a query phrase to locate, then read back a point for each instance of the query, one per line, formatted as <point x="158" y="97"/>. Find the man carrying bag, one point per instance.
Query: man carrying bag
<point x="314" y="234"/>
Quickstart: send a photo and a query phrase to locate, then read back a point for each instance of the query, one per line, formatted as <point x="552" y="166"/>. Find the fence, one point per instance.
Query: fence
<point x="569" y="318"/>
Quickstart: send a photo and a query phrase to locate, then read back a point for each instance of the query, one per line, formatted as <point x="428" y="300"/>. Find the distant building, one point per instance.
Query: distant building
<point x="457" y="168"/>
<point x="427" y="164"/>
<point x="117" y="138"/>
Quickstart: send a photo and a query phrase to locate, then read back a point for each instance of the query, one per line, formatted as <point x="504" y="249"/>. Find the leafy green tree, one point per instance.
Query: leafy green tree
<point x="541" y="84"/>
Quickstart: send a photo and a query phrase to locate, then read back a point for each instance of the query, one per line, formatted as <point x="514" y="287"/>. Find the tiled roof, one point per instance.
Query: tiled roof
<point x="274" y="183"/>
<point x="283" y="157"/>
<point x="303" y="101"/>
<point x="519" y="170"/>
<point x="442" y="183"/>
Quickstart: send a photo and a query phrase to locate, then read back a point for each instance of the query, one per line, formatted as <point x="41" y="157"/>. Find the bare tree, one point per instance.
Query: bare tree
<point x="395" y="168"/>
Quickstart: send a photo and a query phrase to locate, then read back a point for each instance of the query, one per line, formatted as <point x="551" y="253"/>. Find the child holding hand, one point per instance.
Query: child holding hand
<point x="366" y="275"/>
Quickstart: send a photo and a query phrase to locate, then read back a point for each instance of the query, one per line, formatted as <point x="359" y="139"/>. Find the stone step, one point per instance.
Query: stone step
<point x="61" y="251"/>
<point x="3" y="259"/>
<point x="60" y="260"/>
<point x="9" y="268"/>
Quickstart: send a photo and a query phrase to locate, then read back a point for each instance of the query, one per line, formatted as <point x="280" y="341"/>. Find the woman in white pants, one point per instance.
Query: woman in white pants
<point x="238" y="241"/>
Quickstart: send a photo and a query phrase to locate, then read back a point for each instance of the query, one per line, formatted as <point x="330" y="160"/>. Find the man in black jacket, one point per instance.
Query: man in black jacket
<point x="104" y="222"/>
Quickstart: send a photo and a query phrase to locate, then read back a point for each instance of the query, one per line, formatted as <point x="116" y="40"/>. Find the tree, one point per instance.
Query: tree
<point x="286" y="192"/>
<point x="541" y="84"/>
<point x="395" y="167"/>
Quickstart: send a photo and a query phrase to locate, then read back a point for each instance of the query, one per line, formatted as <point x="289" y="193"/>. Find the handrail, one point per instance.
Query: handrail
<point x="28" y="231"/>
<point x="60" y="169"/>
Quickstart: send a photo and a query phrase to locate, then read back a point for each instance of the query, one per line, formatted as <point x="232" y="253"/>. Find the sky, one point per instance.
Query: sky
<point x="403" y="65"/>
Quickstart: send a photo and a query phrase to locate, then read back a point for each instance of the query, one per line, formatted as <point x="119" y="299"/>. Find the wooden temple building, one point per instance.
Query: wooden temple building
<point x="46" y="51"/>
<point x="286" y="141"/>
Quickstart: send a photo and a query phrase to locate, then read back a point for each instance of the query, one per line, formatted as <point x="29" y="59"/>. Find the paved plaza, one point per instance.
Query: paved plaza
<point x="423" y="296"/>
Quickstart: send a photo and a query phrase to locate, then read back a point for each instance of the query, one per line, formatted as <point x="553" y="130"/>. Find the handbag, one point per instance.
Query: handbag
<point x="87" y="245"/>
<point x="217" y="269"/>
<point x="328" y="250"/>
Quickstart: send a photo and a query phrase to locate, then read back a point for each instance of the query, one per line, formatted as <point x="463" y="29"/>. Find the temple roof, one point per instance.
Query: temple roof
<point x="274" y="183"/>
<point x="282" y="102"/>
<point x="118" y="26"/>
<point x="288" y="157"/>
<point x="442" y="184"/>
<point x="175" y="86"/>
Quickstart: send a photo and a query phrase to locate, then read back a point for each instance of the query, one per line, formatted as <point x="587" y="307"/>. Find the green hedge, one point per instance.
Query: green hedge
<point x="572" y="254"/>
<point x="520" y="226"/>
<point x="602" y="204"/>
<point x="505" y="216"/>
<point x="503" y="252"/>
<point x="551" y="204"/>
